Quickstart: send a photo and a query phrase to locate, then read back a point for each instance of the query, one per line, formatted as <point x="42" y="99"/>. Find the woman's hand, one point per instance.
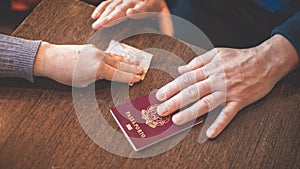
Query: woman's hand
<point x="111" y="12"/>
<point x="233" y="77"/>
<point x="81" y="65"/>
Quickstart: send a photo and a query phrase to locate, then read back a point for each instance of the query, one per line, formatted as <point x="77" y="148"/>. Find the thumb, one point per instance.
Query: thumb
<point x="223" y="119"/>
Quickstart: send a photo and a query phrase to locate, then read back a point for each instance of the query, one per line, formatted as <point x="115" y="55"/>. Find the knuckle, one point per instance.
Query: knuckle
<point x="104" y="70"/>
<point x="110" y="7"/>
<point x="207" y="86"/>
<point x="219" y="50"/>
<point x="173" y="103"/>
<point x="118" y="65"/>
<point x="188" y="78"/>
<point x="204" y="72"/>
<point x="226" y="115"/>
<point x="201" y="73"/>
<point x="192" y="92"/>
<point x="198" y="60"/>
<point x="207" y="103"/>
<point x="119" y="8"/>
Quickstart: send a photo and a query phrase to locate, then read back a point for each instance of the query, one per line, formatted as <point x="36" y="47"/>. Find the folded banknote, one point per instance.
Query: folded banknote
<point x="129" y="52"/>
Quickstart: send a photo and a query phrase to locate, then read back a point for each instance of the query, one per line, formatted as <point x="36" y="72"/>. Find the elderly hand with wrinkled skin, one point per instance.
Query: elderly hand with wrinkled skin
<point x="81" y="65"/>
<point x="232" y="77"/>
<point x="111" y="12"/>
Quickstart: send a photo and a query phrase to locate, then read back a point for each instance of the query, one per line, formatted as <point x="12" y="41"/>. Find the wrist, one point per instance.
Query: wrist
<point x="40" y="63"/>
<point x="278" y="55"/>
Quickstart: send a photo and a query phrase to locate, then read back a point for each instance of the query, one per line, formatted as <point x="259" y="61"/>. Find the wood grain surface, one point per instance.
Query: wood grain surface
<point x="39" y="127"/>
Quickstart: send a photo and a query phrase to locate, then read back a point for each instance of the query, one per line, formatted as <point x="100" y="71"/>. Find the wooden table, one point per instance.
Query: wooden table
<point x="39" y="127"/>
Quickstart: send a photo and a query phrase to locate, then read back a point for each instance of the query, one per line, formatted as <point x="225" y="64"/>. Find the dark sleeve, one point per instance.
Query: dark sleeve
<point x="17" y="57"/>
<point x="171" y="3"/>
<point x="291" y="30"/>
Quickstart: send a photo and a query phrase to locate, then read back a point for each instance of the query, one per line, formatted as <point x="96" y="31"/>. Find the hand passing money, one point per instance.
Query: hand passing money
<point x="131" y="55"/>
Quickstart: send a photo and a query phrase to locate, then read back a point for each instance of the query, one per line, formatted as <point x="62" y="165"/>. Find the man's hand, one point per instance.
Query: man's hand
<point x="80" y="65"/>
<point x="111" y="12"/>
<point x="233" y="77"/>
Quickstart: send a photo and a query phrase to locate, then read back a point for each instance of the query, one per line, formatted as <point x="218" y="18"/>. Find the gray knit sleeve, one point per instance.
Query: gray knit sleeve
<point x="17" y="57"/>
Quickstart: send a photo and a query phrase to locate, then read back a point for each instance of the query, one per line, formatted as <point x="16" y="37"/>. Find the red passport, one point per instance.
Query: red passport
<point x="141" y="124"/>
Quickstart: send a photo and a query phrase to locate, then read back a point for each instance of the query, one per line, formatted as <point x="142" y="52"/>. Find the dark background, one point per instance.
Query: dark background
<point x="227" y="23"/>
<point x="235" y="23"/>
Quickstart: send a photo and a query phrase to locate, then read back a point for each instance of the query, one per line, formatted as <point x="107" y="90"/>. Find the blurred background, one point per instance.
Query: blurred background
<point x="227" y="23"/>
<point x="13" y="12"/>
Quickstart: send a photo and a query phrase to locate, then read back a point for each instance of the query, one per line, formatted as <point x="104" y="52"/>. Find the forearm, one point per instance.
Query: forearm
<point x="17" y="57"/>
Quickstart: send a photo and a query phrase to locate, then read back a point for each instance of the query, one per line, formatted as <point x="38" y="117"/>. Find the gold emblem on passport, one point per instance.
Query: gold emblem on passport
<point x="152" y="118"/>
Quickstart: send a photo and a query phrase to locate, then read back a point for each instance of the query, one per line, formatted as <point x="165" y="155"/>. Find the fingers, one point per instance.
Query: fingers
<point x="223" y="119"/>
<point x="114" y="18"/>
<point x="113" y="14"/>
<point x="117" y="15"/>
<point x="130" y="61"/>
<point x="185" y="97"/>
<point x="199" y="108"/>
<point x="108" y="72"/>
<point x="197" y="62"/>
<point x="115" y="56"/>
<point x="180" y="83"/>
<point x="116" y="62"/>
<point x="109" y="8"/>
<point x="124" y="59"/>
<point x="130" y="68"/>
<point x="101" y="21"/>
<point x="99" y="9"/>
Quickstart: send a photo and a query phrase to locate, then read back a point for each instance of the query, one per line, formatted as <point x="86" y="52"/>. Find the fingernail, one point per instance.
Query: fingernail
<point x="96" y="26"/>
<point x="99" y="23"/>
<point x="210" y="132"/>
<point x="162" y="110"/>
<point x="130" y="12"/>
<point x="181" y="69"/>
<point x="160" y="96"/>
<point x="94" y="15"/>
<point x="176" y="119"/>
<point x="135" y="79"/>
